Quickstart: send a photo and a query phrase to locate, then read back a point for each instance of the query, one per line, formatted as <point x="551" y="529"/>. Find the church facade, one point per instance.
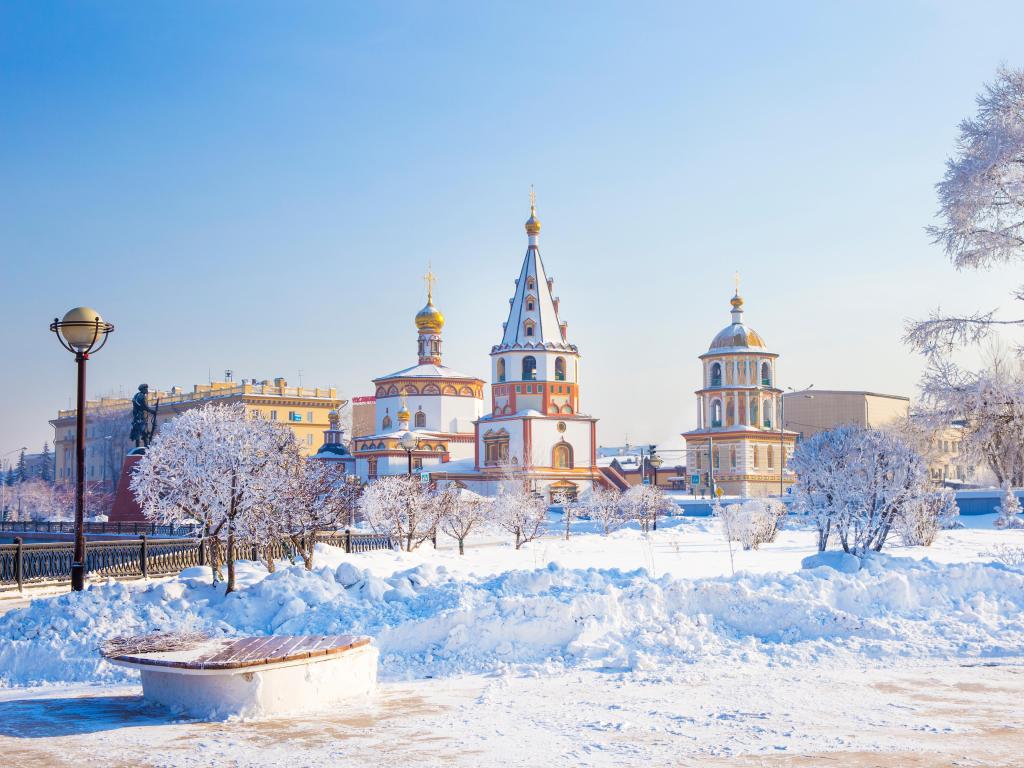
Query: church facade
<point x="535" y="429"/>
<point x="739" y="446"/>
<point x="436" y="404"/>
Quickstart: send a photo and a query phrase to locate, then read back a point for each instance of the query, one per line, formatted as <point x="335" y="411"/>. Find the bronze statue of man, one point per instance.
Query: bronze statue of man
<point x="140" y="433"/>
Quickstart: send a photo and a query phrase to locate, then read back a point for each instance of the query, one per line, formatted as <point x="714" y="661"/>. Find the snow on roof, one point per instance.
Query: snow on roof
<point x="428" y="370"/>
<point x="454" y="467"/>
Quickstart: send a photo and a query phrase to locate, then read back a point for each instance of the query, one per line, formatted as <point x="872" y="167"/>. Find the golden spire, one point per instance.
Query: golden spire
<point x="736" y="301"/>
<point x="403" y="412"/>
<point x="430" y="279"/>
<point x="429" y="319"/>
<point x="533" y="223"/>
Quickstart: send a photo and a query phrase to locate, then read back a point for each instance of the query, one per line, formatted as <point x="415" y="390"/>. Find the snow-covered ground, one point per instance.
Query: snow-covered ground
<point x="618" y="650"/>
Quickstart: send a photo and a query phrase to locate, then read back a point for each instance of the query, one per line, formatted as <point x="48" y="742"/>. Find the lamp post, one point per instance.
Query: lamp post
<point x="82" y="331"/>
<point x="409" y="442"/>
<point x="782" y="434"/>
<point x="655" y="462"/>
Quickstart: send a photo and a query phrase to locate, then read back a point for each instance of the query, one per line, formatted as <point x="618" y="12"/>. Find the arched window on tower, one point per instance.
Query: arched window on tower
<point x="501" y="369"/>
<point x="386" y="422"/>
<point x="420" y="419"/>
<point x="766" y="374"/>
<point x="730" y="414"/>
<point x="766" y="414"/>
<point x="495" y="447"/>
<point x="753" y="412"/>
<point x="732" y="458"/>
<point x="559" y="369"/>
<point x="716" y="413"/>
<point x="716" y="374"/>
<point x="771" y="456"/>
<point x="561" y="456"/>
<point x="529" y="368"/>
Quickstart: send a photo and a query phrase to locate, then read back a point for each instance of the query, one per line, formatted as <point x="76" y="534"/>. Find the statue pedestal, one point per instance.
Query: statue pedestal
<point x="126" y="509"/>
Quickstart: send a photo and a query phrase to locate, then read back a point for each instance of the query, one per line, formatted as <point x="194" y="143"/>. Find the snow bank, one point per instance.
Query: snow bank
<point x="428" y="622"/>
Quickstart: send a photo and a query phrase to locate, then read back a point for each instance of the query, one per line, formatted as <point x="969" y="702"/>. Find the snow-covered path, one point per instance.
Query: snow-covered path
<point x="706" y="717"/>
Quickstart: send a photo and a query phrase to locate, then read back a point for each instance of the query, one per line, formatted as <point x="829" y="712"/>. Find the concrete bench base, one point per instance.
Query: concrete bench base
<point x="274" y="687"/>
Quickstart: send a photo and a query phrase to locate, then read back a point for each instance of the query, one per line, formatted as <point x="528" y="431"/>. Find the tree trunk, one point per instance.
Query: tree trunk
<point x="231" y="562"/>
<point x="462" y="546"/>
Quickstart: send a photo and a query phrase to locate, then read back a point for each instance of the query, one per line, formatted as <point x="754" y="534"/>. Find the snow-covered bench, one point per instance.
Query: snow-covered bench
<point x="257" y="675"/>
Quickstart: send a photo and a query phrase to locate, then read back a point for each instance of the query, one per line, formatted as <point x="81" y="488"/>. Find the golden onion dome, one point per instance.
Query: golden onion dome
<point x="736" y="301"/>
<point x="403" y="413"/>
<point x="533" y="223"/>
<point x="429" y="319"/>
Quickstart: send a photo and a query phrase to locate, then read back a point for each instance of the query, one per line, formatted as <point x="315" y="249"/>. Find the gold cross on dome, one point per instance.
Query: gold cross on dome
<point x="737" y="283"/>
<point x="430" y="279"/>
<point x="533" y="199"/>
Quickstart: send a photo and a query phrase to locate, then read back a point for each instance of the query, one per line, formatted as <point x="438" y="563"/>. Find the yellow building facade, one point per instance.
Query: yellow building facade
<point x="306" y="410"/>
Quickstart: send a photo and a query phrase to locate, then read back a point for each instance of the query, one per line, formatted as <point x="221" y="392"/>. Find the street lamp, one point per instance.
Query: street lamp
<point x="782" y="433"/>
<point x="655" y="462"/>
<point x="81" y="332"/>
<point x="410" y="443"/>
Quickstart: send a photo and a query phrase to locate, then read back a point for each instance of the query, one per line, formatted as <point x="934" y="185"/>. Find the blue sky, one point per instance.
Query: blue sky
<point x="259" y="186"/>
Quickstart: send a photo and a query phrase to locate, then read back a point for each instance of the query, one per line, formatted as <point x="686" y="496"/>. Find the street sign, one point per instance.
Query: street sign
<point x="694" y="479"/>
<point x="425" y="478"/>
<point x="647" y="481"/>
<point x="718" y="492"/>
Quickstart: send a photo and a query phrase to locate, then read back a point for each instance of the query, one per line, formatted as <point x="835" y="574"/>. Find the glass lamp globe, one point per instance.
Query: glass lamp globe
<point x="657" y="461"/>
<point x="409" y="441"/>
<point x="79" y="327"/>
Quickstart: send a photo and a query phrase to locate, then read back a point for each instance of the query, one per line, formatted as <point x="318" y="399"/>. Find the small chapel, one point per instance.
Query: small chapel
<point x="739" y="446"/>
<point x="435" y="404"/>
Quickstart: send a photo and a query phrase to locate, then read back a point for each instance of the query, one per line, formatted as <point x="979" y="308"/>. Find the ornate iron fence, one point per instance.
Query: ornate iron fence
<point x="130" y="529"/>
<point x="22" y="563"/>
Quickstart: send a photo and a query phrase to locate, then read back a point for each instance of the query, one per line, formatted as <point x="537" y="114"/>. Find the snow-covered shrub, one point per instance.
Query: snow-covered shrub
<point x="644" y="503"/>
<point x="1009" y="510"/>
<point x="397" y="505"/>
<point x="855" y="483"/>
<point x="1012" y="557"/>
<point x="460" y="511"/>
<point x="753" y="522"/>
<point x="319" y="498"/>
<point x="603" y="506"/>
<point x="924" y="516"/>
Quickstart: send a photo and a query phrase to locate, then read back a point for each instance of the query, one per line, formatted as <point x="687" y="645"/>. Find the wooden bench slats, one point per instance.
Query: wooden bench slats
<point x="255" y="651"/>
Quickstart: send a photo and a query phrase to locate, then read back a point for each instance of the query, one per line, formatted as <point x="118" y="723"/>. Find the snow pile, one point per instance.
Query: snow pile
<point x="428" y="622"/>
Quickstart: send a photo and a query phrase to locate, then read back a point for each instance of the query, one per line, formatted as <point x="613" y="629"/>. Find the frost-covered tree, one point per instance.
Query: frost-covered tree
<point x="603" y="506"/>
<point x="924" y="516"/>
<point x="459" y="512"/>
<point x="516" y="509"/>
<point x="228" y="472"/>
<point x="981" y="208"/>
<point x="1009" y="510"/>
<point x="989" y="406"/>
<point x="318" y="497"/>
<point x="644" y="503"/>
<point x="754" y="522"/>
<point x="397" y="505"/>
<point x="855" y="483"/>
<point x="718" y="511"/>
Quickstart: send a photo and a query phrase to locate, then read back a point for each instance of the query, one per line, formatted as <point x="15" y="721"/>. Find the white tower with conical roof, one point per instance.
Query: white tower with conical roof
<point x="535" y="424"/>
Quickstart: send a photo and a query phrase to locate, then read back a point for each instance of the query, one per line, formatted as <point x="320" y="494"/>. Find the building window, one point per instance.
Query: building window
<point x="732" y="458"/>
<point x="309" y="439"/>
<point x="528" y="327"/>
<point x="495" y="447"/>
<point x="529" y="368"/>
<point x="716" y="413"/>
<point x="771" y="457"/>
<point x="766" y="374"/>
<point x="371" y="468"/>
<point x="559" y="369"/>
<point x="273" y="415"/>
<point x="730" y="414"/>
<point x="309" y="416"/>
<point x="753" y="413"/>
<point x="386" y="422"/>
<point x="529" y="304"/>
<point x="716" y="374"/>
<point x="417" y="464"/>
<point x="766" y="413"/>
<point x="501" y="369"/>
<point x="561" y="456"/>
<point x="421" y="420"/>
<point x="717" y="457"/>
